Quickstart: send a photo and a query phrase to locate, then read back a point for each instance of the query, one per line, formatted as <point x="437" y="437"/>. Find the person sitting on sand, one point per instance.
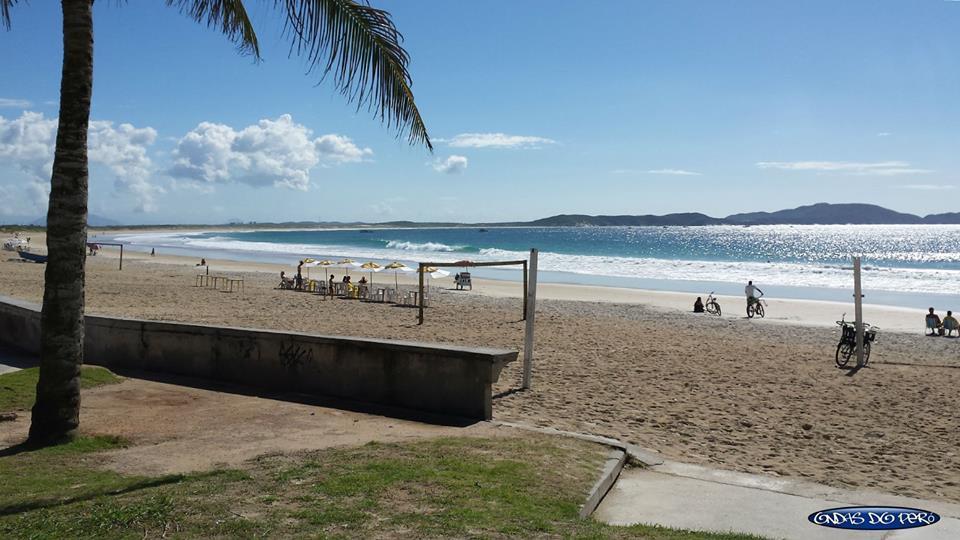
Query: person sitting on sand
<point x="203" y="262"/>
<point x="950" y="324"/>
<point x="934" y="323"/>
<point x="698" y="305"/>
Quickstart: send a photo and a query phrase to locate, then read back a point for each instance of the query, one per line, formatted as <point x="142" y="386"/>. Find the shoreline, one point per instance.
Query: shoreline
<point x="812" y="313"/>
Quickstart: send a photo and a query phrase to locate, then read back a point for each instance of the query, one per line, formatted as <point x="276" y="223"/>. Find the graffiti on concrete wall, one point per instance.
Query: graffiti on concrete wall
<point x="293" y="355"/>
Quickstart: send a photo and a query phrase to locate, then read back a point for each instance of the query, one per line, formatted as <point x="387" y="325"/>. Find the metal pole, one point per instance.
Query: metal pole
<point x="528" y="332"/>
<point x="121" y="256"/>
<point x="420" y="299"/>
<point x="858" y="306"/>
<point x="525" y="290"/>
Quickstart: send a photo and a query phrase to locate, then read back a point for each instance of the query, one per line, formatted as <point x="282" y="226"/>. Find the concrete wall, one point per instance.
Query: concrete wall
<point x="436" y="378"/>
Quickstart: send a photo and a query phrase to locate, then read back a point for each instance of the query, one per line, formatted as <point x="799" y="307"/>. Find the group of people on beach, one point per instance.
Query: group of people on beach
<point x="297" y="281"/>
<point x="938" y="327"/>
<point x="750" y="291"/>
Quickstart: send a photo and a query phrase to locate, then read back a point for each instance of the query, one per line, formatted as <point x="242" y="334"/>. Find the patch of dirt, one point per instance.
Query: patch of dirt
<point x="179" y="429"/>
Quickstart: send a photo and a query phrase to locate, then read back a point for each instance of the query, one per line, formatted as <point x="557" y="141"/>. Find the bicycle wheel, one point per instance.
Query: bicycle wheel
<point x="750" y="311"/>
<point x="758" y="309"/>
<point x="866" y="353"/>
<point x="713" y="308"/>
<point x="845" y="350"/>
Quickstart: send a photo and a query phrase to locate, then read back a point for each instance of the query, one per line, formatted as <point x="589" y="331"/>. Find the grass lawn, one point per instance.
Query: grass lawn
<point x="525" y="486"/>
<point x="18" y="389"/>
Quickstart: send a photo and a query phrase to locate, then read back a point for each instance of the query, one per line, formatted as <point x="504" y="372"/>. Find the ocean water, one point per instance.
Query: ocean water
<point x="900" y="262"/>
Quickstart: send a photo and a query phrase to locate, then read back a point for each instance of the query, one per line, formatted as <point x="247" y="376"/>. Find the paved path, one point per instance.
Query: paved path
<point x="691" y="497"/>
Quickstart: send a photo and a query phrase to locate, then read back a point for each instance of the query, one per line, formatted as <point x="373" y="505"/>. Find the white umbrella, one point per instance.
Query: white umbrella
<point x="310" y="263"/>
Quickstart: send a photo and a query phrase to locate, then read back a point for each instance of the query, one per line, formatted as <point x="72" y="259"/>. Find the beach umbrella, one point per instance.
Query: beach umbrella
<point x="434" y="272"/>
<point x="309" y="263"/>
<point x="347" y="264"/>
<point x="396" y="268"/>
<point x="371" y="267"/>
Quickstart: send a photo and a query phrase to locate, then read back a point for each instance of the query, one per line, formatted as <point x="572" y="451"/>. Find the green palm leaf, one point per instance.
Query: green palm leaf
<point x="5" y="6"/>
<point x="229" y="16"/>
<point x="360" y="46"/>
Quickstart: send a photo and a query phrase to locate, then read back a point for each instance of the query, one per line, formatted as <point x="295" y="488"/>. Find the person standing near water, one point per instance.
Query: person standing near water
<point x="751" y="291"/>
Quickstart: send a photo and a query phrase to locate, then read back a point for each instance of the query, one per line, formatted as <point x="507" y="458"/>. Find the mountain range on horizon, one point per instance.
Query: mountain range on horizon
<point x="814" y="214"/>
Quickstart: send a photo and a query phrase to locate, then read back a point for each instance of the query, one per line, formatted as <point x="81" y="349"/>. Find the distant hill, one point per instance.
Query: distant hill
<point x="951" y="218"/>
<point x="814" y="214"/>
<point x="826" y="214"/>
<point x="580" y="220"/>
<point x="93" y="220"/>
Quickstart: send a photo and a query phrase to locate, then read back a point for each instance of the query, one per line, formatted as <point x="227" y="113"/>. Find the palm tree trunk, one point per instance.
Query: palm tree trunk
<point x="56" y="413"/>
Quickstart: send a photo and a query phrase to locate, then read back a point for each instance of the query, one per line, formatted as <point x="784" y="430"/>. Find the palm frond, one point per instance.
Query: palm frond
<point x="5" y="6"/>
<point x="229" y="16"/>
<point x="361" y="47"/>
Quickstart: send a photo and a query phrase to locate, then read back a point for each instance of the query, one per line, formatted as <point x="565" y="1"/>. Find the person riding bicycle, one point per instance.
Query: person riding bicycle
<point x="751" y="291"/>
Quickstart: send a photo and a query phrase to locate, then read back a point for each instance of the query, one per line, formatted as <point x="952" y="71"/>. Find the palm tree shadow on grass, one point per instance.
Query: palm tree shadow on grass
<point x="10" y="509"/>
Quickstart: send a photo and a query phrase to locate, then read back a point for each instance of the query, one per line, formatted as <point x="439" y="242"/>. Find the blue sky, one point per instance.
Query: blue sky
<point x="537" y="108"/>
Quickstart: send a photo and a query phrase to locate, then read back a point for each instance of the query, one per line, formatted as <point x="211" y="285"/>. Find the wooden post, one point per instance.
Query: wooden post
<point x="531" y="311"/>
<point x="524" y="290"/>
<point x="858" y="307"/>
<point x="121" y="256"/>
<point x="420" y="299"/>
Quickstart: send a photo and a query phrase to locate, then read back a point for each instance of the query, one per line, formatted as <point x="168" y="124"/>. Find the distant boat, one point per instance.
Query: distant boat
<point x="482" y="230"/>
<point x="32" y="257"/>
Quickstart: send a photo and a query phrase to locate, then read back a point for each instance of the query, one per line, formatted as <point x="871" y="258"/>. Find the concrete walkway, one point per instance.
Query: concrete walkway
<point x="14" y="360"/>
<point x="686" y="496"/>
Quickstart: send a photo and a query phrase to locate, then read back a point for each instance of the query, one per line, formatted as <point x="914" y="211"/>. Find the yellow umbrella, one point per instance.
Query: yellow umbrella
<point x="397" y="267"/>
<point x="372" y="267"/>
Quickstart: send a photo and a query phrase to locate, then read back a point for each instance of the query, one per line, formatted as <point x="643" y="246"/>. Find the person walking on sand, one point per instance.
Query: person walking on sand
<point x="751" y="291"/>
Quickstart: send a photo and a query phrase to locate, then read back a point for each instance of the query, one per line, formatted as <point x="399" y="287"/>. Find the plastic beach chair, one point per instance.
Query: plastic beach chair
<point x="950" y="327"/>
<point x="931" y="326"/>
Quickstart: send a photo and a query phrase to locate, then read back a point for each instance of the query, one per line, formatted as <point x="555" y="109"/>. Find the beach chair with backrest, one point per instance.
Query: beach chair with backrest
<point x="949" y="326"/>
<point x="931" y="326"/>
<point x="464" y="281"/>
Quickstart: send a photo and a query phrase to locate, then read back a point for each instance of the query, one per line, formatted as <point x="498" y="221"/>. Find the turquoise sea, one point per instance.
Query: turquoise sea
<point x="911" y="265"/>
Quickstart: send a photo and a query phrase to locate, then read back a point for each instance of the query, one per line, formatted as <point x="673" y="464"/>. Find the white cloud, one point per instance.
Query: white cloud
<point x="452" y="165"/>
<point x="497" y="140"/>
<point x="669" y="172"/>
<point x="124" y="151"/>
<point x="673" y="172"/>
<point x="883" y="134"/>
<point x="879" y="168"/>
<point x="928" y="187"/>
<point x="28" y="142"/>
<point x="271" y="152"/>
<point x="10" y="103"/>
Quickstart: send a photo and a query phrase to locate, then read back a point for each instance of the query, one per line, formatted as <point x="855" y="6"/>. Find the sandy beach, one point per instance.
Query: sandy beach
<point x="755" y="396"/>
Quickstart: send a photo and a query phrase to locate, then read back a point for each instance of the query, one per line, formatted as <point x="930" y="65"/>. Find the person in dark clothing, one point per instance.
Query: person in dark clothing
<point x="698" y="305"/>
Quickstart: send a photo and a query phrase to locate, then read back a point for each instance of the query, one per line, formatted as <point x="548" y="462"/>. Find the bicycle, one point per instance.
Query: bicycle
<point x="712" y="306"/>
<point x="755" y="307"/>
<point x="847" y="348"/>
